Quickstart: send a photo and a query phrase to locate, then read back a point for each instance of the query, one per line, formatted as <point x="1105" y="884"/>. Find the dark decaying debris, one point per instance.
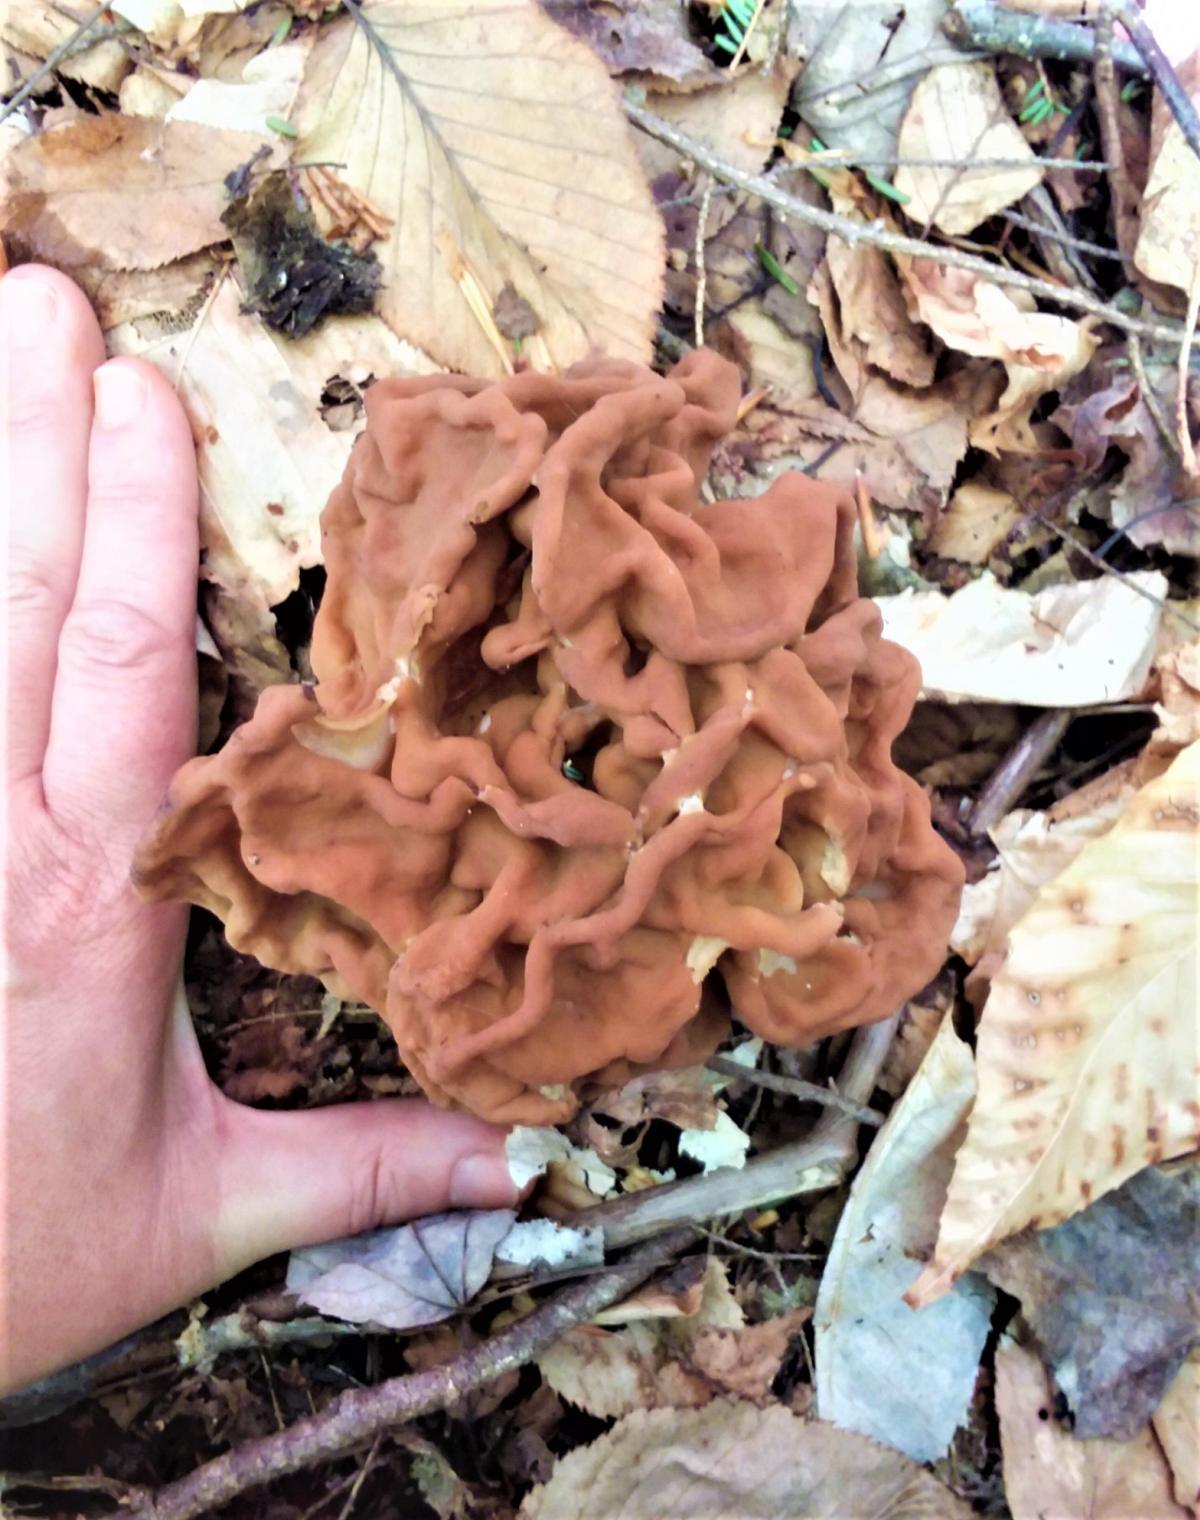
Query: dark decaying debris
<point x="294" y="278"/>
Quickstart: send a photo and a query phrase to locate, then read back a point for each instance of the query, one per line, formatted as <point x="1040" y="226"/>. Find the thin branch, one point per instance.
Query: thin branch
<point x="1007" y="783"/>
<point x="1124" y="198"/>
<point x="360" y="1414"/>
<point x="853" y="232"/>
<point x="796" y="1087"/>
<point x="1165" y="77"/>
<point x="1137" y="363"/>
<point x="1187" y="450"/>
<point x="995" y="29"/>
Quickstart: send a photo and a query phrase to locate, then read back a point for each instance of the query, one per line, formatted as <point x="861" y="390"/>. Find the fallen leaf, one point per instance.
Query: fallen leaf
<point x="550" y="1246"/>
<point x="1168" y="245"/>
<point x="1071" y="645"/>
<point x="1113" y="1297"/>
<point x="123" y="191"/>
<point x="745" y="1362"/>
<point x="533" y="1151"/>
<point x="724" y="1145"/>
<point x="37" y="29"/>
<point x="737" y="118"/>
<point x="1174" y="1424"/>
<point x="637" y="37"/>
<point x="267" y="88"/>
<point x="957" y="113"/>
<point x="400" y="1278"/>
<point x="268" y="464"/>
<point x="868" y="1340"/>
<point x="733" y="1461"/>
<point x="1086" y="1048"/>
<point x="975" y="521"/>
<point x="685" y="1097"/>
<point x="508" y="166"/>
<point x="1040" y="352"/>
<point x="861" y="63"/>
<point x="1050" y="1475"/>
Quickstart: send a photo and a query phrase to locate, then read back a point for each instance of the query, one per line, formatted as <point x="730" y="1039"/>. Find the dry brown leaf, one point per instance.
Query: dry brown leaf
<point x="645" y="37"/>
<point x="874" y="313"/>
<point x="733" y="1461"/>
<point x="499" y="165"/>
<point x="120" y="191"/>
<point x="1049" y="1475"/>
<point x="268" y="463"/>
<point x="957" y="112"/>
<point x="1087" y="1044"/>
<point x="976" y="519"/>
<point x="1041" y="352"/>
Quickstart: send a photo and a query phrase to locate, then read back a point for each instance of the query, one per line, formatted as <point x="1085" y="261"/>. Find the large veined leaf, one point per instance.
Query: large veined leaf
<point x="496" y="142"/>
<point x="1087" y="1044"/>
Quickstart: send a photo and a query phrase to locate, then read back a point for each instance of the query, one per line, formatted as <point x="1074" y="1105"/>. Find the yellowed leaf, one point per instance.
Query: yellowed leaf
<point x="1050" y="1475"/>
<point x="121" y="191"/>
<point x="1087" y="1044"/>
<point x="957" y="113"/>
<point x="737" y="118"/>
<point x="733" y="1461"/>
<point x="496" y="143"/>
<point x="267" y="88"/>
<point x="268" y="461"/>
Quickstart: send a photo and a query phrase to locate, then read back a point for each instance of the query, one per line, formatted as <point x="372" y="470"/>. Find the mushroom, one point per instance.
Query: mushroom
<point x="590" y="760"/>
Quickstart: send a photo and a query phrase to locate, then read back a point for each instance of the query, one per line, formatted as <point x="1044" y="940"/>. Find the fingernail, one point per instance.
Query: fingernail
<point x="120" y="394"/>
<point x="482" y="1178"/>
<point x="29" y="307"/>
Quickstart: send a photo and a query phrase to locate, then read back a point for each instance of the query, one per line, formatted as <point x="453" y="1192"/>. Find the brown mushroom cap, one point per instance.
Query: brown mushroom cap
<point x="583" y="746"/>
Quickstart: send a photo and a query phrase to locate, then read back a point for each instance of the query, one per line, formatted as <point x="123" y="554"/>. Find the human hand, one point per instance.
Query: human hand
<point x="128" y="1182"/>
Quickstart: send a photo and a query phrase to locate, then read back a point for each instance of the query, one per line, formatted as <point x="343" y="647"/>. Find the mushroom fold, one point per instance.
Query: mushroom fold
<point x="590" y="759"/>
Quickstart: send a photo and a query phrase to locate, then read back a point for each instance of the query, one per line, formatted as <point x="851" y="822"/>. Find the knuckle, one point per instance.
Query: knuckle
<point x="28" y="408"/>
<point x="29" y="591"/>
<point x="54" y="881"/>
<point x="109" y="634"/>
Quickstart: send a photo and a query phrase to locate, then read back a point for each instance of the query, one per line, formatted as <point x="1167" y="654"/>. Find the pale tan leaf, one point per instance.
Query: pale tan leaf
<point x="126" y="192"/>
<point x="957" y="113"/>
<point x="1168" y="245"/>
<point x="737" y="118"/>
<point x="37" y="29"/>
<point x="1040" y="352"/>
<point x="267" y="88"/>
<point x="1087" y="1044"/>
<point x="1049" y="1475"/>
<point x="733" y="1461"/>
<point x="1174" y="1424"/>
<point x="268" y="462"/>
<point x="496" y="143"/>
<point x="976" y="519"/>
<point x="1070" y="645"/>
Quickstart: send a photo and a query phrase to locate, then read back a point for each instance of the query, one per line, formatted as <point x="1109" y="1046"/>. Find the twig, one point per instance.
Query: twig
<point x="1154" y="406"/>
<point x="853" y="232"/>
<point x="360" y="1414"/>
<point x="1187" y="451"/>
<point x="1108" y="107"/>
<point x="1165" y="77"/>
<point x="701" y="266"/>
<point x="796" y="1087"/>
<point x="1081" y="245"/>
<point x="1094" y="559"/>
<point x="204" y="1341"/>
<point x="812" y="1165"/>
<point x="1009" y="780"/>
<point x="994" y="29"/>
<point x="751" y="24"/>
<point x="61" y="52"/>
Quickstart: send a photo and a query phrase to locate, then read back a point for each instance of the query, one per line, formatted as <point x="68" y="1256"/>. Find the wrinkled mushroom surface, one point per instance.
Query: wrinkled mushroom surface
<point x="590" y="759"/>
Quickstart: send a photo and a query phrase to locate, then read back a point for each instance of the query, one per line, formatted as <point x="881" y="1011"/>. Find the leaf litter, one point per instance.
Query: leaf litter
<point x="278" y="206"/>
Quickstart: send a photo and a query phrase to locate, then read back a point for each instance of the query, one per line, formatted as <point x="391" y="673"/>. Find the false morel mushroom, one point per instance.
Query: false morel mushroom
<point x="590" y="761"/>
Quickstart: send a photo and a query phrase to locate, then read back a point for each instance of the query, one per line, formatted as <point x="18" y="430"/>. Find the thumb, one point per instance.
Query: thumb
<point x="296" y="1179"/>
